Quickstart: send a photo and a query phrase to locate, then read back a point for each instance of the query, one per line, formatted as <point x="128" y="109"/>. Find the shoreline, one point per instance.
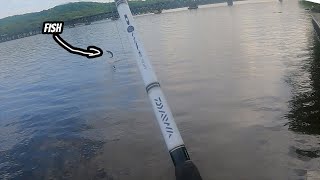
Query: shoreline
<point x="77" y="22"/>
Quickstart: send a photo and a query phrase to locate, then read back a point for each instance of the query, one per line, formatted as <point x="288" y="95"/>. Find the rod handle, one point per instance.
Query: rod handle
<point x="187" y="171"/>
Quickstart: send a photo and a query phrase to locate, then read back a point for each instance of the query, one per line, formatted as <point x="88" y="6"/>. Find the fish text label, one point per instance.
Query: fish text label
<point x="52" y="27"/>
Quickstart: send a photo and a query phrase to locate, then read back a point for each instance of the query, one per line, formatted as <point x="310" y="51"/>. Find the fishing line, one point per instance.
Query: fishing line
<point x="119" y="36"/>
<point x="122" y="47"/>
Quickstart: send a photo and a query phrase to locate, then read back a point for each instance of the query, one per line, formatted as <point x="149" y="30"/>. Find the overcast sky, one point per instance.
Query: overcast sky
<point x="14" y="7"/>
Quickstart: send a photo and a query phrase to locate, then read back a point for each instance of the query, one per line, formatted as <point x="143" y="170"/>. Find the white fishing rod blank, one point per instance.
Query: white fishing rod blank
<point x="185" y="169"/>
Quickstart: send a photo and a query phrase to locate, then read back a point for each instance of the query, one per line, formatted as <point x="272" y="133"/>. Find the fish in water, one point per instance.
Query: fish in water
<point x="111" y="53"/>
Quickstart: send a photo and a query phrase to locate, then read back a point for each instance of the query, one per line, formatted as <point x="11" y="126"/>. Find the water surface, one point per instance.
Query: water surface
<point x="242" y="82"/>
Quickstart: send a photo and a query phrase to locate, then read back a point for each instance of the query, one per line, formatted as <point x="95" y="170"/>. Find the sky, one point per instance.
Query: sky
<point x="14" y="7"/>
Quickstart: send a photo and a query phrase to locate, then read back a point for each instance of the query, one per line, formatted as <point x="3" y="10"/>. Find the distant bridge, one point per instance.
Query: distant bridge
<point x="149" y="8"/>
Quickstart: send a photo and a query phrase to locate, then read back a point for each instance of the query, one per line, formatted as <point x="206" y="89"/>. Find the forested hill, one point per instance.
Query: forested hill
<point x="19" y="24"/>
<point x="22" y="23"/>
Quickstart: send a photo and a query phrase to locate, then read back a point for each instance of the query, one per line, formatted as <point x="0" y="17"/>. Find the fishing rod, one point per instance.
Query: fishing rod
<point x="185" y="169"/>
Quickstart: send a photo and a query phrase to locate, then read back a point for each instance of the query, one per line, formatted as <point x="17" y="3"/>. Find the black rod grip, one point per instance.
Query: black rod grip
<point x="187" y="171"/>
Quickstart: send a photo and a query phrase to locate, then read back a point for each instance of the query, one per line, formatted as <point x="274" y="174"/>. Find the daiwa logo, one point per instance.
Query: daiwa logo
<point x="164" y="116"/>
<point x="130" y="29"/>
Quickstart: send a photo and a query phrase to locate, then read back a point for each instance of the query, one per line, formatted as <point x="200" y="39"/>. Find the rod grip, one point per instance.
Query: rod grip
<point x="187" y="171"/>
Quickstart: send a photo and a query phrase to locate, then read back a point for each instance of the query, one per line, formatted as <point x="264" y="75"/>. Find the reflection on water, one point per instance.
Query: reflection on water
<point x="51" y="158"/>
<point x="304" y="114"/>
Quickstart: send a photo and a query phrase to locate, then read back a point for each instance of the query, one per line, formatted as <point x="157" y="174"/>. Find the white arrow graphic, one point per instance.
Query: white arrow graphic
<point x="90" y="52"/>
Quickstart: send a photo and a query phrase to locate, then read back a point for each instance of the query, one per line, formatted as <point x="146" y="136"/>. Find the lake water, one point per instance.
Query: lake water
<point x="243" y="83"/>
